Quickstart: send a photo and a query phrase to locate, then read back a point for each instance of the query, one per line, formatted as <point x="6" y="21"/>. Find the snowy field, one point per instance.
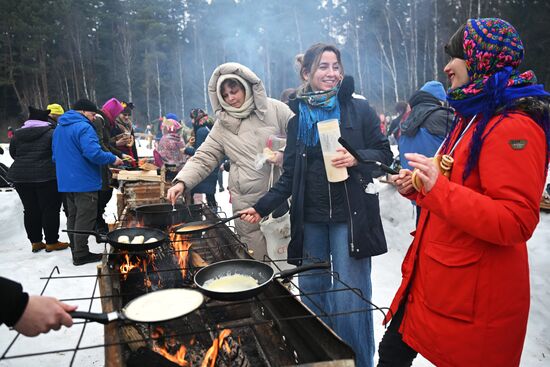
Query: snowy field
<point x="19" y="263"/>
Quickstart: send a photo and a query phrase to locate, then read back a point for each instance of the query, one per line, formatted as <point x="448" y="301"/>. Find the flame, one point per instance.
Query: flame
<point x="181" y="245"/>
<point x="212" y="353"/>
<point x="128" y="265"/>
<point x="178" y="358"/>
<point x="141" y="264"/>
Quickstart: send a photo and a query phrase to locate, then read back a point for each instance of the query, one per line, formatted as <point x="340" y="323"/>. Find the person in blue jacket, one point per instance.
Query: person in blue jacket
<point x="78" y="158"/>
<point x="337" y="222"/>
<point x="426" y="126"/>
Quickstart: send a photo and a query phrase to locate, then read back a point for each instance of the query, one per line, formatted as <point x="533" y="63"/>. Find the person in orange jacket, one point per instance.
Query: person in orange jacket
<point x="464" y="297"/>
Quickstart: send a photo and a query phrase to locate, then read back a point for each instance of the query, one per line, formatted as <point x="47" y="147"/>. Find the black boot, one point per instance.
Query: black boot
<point x="89" y="258"/>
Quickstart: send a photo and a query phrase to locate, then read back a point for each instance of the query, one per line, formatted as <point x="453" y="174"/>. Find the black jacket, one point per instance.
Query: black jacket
<point x="427" y="112"/>
<point x="14" y="301"/>
<point x="360" y="126"/>
<point x="31" y="150"/>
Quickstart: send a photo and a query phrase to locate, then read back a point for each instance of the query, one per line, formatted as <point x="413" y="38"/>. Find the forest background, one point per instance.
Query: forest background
<point x="160" y="54"/>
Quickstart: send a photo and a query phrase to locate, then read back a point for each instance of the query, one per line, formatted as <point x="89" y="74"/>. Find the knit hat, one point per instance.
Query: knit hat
<point x="85" y="105"/>
<point x="55" y="109"/>
<point x="436" y="89"/>
<point x="128" y="107"/>
<point x="172" y="116"/>
<point x="36" y="114"/>
<point x="112" y="108"/>
<point x="171" y="125"/>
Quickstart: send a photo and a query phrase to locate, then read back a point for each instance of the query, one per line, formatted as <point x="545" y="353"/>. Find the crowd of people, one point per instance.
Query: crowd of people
<point x="464" y="297"/>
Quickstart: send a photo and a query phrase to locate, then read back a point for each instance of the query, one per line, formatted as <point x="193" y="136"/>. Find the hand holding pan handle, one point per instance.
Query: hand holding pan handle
<point x="102" y="318"/>
<point x="356" y="155"/>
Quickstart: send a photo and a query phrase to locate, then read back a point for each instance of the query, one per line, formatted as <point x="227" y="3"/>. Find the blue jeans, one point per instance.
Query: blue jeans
<point x="324" y="242"/>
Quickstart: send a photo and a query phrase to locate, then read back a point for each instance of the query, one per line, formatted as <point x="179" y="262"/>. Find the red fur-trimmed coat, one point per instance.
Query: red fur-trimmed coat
<point x="466" y="273"/>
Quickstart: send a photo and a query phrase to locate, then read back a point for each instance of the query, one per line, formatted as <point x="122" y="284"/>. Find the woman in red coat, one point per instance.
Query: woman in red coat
<point x="464" y="298"/>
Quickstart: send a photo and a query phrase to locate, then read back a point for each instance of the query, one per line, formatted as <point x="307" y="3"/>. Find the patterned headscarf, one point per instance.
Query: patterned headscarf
<point x="491" y="45"/>
<point x="493" y="51"/>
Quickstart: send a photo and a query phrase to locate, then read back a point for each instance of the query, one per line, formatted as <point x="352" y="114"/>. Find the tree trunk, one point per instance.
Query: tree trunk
<point x="43" y="76"/>
<point x="75" y="74"/>
<point x="11" y="66"/>
<point x="436" y="41"/>
<point x="147" y="94"/>
<point x="425" y="61"/>
<point x="407" y="89"/>
<point x="204" y="82"/>
<point x="180" y="61"/>
<point x="298" y="32"/>
<point x="267" y="70"/>
<point x="415" y="47"/>
<point x="158" y="86"/>
<point x="367" y="74"/>
<point x="37" y="95"/>
<point x="358" y="59"/>
<point x="393" y="70"/>
<point x="68" y="95"/>
<point x="125" y="47"/>
<point x="77" y="41"/>
<point x="382" y="84"/>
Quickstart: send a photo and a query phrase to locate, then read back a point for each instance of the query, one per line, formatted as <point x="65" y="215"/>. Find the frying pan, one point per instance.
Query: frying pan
<point x="112" y="237"/>
<point x="193" y="227"/>
<point x="162" y="216"/>
<point x="356" y="155"/>
<point x="262" y="272"/>
<point x="163" y="305"/>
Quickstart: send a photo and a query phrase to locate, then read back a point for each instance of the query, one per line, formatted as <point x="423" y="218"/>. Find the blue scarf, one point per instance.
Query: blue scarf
<point x="315" y="107"/>
<point x="495" y="94"/>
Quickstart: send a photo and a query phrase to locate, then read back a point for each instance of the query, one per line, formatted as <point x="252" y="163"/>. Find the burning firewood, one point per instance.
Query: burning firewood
<point x="198" y="260"/>
<point x="133" y="337"/>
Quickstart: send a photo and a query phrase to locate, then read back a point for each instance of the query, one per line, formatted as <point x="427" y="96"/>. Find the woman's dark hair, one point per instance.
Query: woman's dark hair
<point x="455" y="46"/>
<point x="310" y="60"/>
<point x="231" y="83"/>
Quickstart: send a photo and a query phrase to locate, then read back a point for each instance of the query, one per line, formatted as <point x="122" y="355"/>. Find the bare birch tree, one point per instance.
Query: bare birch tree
<point x="436" y="42"/>
<point x="125" y="48"/>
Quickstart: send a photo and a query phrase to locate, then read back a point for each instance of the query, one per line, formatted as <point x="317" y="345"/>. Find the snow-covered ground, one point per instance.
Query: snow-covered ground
<point x="19" y="263"/>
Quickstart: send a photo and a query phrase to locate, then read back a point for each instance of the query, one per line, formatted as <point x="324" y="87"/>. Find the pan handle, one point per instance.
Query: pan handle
<point x="225" y="220"/>
<point x="356" y="155"/>
<point x="102" y="318"/>
<point x="287" y="273"/>
<point x="99" y="237"/>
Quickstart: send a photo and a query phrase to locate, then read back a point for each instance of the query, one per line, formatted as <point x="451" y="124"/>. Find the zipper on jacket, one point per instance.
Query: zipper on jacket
<point x="329" y="203"/>
<point x="350" y="217"/>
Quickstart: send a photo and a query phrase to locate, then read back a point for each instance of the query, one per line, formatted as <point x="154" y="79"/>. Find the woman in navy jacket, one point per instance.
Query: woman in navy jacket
<point x="332" y="221"/>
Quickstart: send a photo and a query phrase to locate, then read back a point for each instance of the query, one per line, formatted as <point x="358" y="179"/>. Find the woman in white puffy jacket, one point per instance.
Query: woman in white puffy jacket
<point x="246" y="118"/>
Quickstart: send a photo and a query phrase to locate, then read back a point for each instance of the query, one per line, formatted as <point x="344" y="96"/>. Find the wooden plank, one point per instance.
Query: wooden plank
<point x="138" y="176"/>
<point x="113" y="354"/>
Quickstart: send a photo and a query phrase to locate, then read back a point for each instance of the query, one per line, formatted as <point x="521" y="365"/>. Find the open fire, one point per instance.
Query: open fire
<point x="272" y="329"/>
<point x="162" y="345"/>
